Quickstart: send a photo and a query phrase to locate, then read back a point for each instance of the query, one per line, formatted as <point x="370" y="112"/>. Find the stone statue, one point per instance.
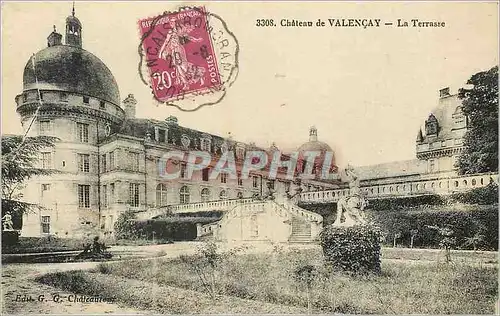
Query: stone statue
<point x="350" y="208"/>
<point x="7" y="222"/>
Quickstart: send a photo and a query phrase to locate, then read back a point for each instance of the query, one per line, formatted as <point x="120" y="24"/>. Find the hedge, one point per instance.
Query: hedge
<point x="404" y="217"/>
<point x="171" y="228"/>
<point x="352" y="249"/>
<point x="466" y="224"/>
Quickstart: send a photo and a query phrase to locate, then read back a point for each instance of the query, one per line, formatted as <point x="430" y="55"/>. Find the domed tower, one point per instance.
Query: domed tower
<point x="70" y="94"/>
<point x="314" y="145"/>
<point x="440" y="142"/>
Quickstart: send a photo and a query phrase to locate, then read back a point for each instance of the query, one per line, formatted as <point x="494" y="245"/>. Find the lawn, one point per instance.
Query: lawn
<point x="404" y="287"/>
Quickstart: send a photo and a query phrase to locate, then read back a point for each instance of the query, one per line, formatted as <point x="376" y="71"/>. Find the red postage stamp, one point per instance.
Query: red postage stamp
<point x="179" y="54"/>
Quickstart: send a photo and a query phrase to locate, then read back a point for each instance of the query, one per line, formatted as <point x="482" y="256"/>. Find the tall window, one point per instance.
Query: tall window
<point x="205" y="195"/>
<point x="223" y="195"/>
<point x="134" y="194"/>
<point x="223" y="178"/>
<point x="454" y="162"/>
<point x="45" y="224"/>
<point x="255" y="181"/>
<point x="112" y="193"/>
<point x="112" y="160"/>
<point x="104" y="195"/>
<point x="84" y="196"/>
<point x="84" y="162"/>
<point x="204" y="174"/>
<point x="432" y="165"/>
<point x="205" y="144"/>
<point x="134" y="158"/>
<point x="104" y="167"/>
<point x="46" y="160"/>
<point x="161" y="195"/>
<point x="240" y="180"/>
<point x="271" y="184"/>
<point x="45" y="188"/>
<point x="83" y="132"/>
<point x="184" y="195"/>
<point x="183" y="170"/>
<point x="45" y="127"/>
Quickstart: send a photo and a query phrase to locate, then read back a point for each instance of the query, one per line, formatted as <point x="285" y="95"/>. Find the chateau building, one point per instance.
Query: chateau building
<point x="106" y="159"/>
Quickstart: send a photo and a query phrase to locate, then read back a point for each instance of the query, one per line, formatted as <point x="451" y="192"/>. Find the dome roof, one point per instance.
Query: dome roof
<point x="71" y="69"/>
<point x="315" y="146"/>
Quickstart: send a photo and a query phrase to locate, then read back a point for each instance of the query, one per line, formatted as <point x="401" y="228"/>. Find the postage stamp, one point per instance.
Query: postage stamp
<point x="188" y="57"/>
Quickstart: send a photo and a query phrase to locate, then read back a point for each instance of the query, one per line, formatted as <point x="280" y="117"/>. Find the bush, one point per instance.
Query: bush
<point x="352" y="249"/>
<point x="125" y="227"/>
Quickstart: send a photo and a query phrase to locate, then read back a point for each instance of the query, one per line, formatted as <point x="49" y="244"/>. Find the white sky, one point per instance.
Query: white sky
<point x="366" y="90"/>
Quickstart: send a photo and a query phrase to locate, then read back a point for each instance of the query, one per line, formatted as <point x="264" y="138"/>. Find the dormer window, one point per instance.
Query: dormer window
<point x="102" y="104"/>
<point x="431" y="125"/>
<point x="86" y="100"/>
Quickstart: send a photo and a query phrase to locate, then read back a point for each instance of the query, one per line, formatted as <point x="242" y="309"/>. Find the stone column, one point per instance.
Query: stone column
<point x="198" y="231"/>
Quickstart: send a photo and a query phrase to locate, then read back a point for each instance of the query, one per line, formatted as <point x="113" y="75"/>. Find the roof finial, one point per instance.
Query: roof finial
<point x="73" y="11"/>
<point x="55" y="31"/>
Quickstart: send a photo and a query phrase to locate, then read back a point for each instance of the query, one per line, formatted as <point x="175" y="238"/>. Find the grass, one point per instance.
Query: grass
<point x="403" y="288"/>
<point x="438" y="255"/>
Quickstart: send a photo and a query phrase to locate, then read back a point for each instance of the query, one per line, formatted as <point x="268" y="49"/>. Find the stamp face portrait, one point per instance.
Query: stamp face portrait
<point x="183" y="55"/>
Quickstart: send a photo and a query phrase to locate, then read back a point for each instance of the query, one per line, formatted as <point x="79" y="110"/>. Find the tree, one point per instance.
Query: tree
<point x="19" y="158"/>
<point x="480" y="106"/>
<point x="125" y="225"/>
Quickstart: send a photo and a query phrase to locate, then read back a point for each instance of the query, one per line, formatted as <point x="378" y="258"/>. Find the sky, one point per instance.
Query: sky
<point x="367" y="91"/>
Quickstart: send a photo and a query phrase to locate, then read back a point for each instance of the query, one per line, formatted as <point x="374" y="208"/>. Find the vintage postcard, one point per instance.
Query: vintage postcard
<point x="249" y="157"/>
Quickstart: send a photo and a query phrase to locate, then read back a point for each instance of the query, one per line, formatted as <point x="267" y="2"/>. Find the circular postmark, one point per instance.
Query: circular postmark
<point x="188" y="57"/>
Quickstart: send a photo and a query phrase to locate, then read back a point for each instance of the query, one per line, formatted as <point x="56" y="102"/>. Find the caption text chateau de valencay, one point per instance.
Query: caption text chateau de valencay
<point x="107" y="159"/>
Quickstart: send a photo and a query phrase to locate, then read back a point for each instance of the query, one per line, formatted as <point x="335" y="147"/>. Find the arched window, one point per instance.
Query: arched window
<point x="223" y="195"/>
<point x="161" y="195"/>
<point x="473" y="181"/>
<point x="239" y="195"/>
<point x="456" y="184"/>
<point x="205" y="195"/>
<point x="465" y="182"/>
<point x="184" y="195"/>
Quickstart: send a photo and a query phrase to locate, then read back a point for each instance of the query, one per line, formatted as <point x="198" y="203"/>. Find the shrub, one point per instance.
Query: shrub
<point x="485" y="195"/>
<point x="352" y="249"/>
<point x="125" y="227"/>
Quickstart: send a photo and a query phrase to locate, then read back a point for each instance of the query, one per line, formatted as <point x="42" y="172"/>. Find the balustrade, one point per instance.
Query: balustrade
<point x="416" y="187"/>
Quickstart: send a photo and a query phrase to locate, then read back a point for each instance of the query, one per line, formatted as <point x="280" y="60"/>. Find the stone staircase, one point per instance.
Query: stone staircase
<point x="301" y="230"/>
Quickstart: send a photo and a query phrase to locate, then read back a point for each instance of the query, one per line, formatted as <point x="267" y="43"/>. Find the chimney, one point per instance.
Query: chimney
<point x="129" y="104"/>
<point x="445" y="92"/>
<point x="54" y="38"/>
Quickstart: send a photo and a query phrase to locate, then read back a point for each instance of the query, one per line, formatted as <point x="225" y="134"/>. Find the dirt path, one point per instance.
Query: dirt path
<point x="18" y="283"/>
